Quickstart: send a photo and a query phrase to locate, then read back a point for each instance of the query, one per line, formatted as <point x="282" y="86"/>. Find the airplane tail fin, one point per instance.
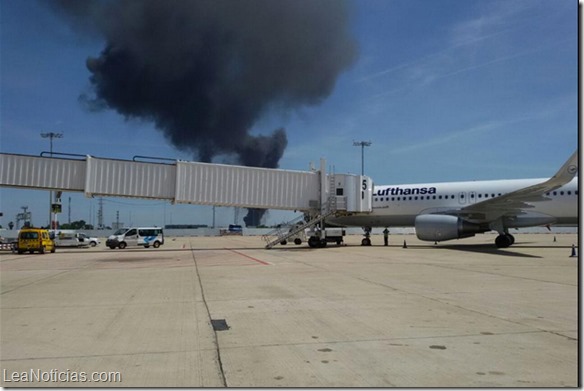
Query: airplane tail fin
<point x="568" y="170"/>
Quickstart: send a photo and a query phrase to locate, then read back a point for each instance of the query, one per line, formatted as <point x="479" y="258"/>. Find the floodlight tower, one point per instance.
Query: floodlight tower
<point x="51" y="136"/>
<point x="362" y="144"/>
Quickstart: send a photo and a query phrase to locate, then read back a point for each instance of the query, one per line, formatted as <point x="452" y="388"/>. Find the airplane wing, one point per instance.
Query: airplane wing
<point x="514" y="203"/>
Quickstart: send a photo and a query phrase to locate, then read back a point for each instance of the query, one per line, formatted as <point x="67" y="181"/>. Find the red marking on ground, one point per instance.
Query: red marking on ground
<point x="247" y="256"/>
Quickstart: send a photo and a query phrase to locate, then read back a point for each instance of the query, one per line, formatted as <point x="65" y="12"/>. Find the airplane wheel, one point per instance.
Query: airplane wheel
<point x="503" y="241"/>
<point x="511" y="238"/>
<point x="366" y="242"/>
<point x="297" y="241"/>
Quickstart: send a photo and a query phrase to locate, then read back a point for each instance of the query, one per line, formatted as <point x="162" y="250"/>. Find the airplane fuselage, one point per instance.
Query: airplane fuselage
<point x="398" y="205"/>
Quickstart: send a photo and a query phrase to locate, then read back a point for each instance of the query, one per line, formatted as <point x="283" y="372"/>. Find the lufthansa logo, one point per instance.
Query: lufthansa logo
<point x="572" y="169"/>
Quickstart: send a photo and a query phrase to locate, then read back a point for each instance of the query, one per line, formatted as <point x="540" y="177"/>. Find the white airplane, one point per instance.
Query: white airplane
<point x="445" y="211"/>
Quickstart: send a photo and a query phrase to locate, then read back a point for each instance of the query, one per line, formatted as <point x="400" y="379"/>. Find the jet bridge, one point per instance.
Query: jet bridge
<point x="185" y="182"/>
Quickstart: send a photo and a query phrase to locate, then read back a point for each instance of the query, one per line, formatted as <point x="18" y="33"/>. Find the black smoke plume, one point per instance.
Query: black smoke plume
<point x="205" y="71"/>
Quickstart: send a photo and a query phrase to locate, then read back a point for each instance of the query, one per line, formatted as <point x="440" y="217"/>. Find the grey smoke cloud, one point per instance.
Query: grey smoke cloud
<point x="204" y="71"/>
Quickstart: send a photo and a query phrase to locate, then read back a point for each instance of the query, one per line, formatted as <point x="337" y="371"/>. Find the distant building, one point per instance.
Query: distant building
<point x="185" y="226"/>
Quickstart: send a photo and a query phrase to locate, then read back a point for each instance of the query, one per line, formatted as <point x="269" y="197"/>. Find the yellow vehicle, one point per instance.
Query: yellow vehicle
<point x="35" y="239"/>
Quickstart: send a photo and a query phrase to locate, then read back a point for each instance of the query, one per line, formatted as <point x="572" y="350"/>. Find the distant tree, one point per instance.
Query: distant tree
<point x="81" y="224"/>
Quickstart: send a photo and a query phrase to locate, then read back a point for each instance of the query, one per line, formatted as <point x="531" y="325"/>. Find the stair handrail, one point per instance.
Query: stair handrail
<point x="298" y="228"/>
<point x="277" y="230"/>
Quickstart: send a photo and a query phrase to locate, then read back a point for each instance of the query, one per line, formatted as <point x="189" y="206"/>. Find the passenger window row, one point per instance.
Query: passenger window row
<point x="472" y="195"/>
<point x="555" y="193"/>
<point x="421" y="198"/>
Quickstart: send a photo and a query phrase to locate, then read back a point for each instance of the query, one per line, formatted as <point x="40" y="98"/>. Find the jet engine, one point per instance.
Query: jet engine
<point x="435" y="228"/>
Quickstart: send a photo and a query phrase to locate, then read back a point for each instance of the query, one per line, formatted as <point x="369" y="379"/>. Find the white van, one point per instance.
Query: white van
<point x="136" y="236"/>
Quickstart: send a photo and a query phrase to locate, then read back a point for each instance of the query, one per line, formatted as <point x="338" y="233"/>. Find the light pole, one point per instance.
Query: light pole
<point x="362" y="144"/>
<point x="51" y="136"/>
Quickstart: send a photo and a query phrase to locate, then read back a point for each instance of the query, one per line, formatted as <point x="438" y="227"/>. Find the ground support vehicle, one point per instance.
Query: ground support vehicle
<point x="35" y="239"/>
<point x="316" y="238"/>
<point x="136" y="236"/>
<point x="72" y="238"/>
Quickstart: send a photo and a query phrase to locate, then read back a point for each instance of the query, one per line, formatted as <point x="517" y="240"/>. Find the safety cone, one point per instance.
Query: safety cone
<point x="554" y="239"/>
<point x="405" y="245"/>
<point x="573" y="252"/>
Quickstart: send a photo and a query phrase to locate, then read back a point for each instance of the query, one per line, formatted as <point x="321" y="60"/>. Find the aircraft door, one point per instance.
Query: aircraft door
<point x="462" y="198"/>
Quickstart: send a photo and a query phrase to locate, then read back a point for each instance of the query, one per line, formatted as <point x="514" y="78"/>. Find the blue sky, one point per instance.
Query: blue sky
<point x="445" y="90"/>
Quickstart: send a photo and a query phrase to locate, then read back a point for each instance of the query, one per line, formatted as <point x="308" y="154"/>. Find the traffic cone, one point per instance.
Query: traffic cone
<point x="405" y="245"/>
<point x="573" y="252"/>
<point x="554" y="239"/>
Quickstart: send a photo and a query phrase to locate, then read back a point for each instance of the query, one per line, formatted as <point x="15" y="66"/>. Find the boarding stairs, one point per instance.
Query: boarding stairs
<point x="298" y="225"/>
<point x="292" y="228"/>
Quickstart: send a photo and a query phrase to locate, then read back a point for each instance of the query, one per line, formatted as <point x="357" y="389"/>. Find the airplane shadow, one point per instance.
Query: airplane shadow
<point x="484" y="249"/>
<point x="474" y="248"/>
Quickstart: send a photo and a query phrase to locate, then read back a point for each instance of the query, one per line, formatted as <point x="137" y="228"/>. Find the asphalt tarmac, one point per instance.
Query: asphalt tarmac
<point x="223" y="311"/>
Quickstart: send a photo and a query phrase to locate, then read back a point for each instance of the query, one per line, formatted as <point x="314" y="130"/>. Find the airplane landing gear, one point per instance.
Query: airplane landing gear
<point x="367" y="239"/>
<point x="504" y="240"/>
